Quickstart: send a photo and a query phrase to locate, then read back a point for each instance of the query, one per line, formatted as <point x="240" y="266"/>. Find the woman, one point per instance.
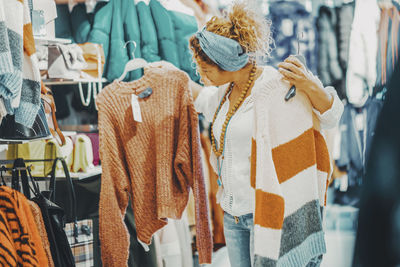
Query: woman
<point x="270" y="157"/>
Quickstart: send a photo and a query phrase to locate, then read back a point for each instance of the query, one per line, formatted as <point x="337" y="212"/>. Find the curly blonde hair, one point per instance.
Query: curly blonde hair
<point x="240" y="23"/>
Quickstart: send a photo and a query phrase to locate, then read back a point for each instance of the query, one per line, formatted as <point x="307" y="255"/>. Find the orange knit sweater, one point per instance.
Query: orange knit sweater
<point x="20" y="241"/>
<point x="155" y="162"/>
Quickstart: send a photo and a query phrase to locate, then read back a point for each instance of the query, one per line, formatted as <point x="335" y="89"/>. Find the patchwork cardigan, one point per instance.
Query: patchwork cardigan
<point x="290" y="167"/>
<point x="19" y="69"/>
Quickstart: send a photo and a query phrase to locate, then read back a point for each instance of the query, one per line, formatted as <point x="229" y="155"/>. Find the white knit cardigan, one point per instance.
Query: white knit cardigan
<point x="290" y="171"/>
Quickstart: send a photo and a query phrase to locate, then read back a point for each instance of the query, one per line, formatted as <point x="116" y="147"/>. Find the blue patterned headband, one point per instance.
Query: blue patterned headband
<point x="227" y="53"/>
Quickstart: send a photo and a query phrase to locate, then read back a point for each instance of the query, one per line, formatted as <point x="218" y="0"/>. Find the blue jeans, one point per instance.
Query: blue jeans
<point x="239" y="237"/>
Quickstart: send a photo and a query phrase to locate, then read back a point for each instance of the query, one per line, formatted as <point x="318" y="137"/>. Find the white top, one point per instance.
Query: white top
<point x="238" y="197"/>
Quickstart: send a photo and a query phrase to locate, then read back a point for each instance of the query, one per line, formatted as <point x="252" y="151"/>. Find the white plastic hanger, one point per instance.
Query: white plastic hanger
<point x="133" y="64"/>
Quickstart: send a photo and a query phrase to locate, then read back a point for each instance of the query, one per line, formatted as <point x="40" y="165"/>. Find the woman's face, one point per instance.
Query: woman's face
<point x="211" y="74"/>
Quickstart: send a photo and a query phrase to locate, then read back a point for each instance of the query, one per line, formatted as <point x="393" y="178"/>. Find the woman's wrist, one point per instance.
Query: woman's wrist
<point x="320" y="98"/>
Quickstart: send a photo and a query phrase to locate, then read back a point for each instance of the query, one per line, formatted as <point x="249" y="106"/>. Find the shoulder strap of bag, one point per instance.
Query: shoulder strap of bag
<point x="70" y="189"/>
<point x="16" y="173"/>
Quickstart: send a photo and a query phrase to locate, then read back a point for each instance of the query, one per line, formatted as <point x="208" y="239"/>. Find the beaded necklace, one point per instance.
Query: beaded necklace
<point x="218" y="152"/>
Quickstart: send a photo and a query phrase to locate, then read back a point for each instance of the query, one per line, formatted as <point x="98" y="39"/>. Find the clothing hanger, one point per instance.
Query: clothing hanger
<point x="133" y="64"/>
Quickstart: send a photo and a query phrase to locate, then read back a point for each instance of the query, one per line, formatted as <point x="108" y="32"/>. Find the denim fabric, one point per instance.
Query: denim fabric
<point x="239" y="239"/>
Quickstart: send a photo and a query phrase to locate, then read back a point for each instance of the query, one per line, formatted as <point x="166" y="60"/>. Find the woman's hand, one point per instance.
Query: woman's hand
<point x="296" y="74"/>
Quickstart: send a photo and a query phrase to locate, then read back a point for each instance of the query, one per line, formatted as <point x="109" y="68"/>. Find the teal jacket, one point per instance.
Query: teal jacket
<point x="165" y="33"/>
<point x="149" y="40"/>
<point x="185" y="27"/>
<point x="115" y="24"/>
<point x="174" y="30"/>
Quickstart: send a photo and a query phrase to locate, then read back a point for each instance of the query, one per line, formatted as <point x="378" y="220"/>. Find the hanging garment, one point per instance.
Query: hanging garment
<point x="345" y="15"/>
<point x="155" y="161"/>
<point x="329" y="70"/>
<point x="290" y="18"/>
<point x="21" y="243"/>
<point x="149" y="46"/>
<point x="361" y="72"/>
<point x="37" y="215"/>
<point x="165" y="32"/>
<point x="357" y="129"/>
<point x="115" y="24"/>
<point x="20" y="84"/>
<point x="94" y="137"/>
<point x="388" y="45"/>
<point x="176" y="244"/>
<point x="185" y="27"/>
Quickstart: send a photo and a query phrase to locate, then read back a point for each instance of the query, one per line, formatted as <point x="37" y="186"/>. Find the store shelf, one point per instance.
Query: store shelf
<point x="74" y="175"/>
<point x="83" y="175"/>
<point x="10" y="141"/>
<point x="82" y="128"/>
<point x="50" y="82"/>
<point x="48" y="41"/>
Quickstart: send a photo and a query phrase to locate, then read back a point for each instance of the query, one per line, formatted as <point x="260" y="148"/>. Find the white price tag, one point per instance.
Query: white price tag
<point x="137" y="115"/>
<point x="360" y="122"/>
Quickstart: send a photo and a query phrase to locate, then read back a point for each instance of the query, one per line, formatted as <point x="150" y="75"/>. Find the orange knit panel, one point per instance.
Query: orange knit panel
<point x="323" y="159"/>
<point x="269" y="210"/>
<point x="29" y="42"/>
<point x="295" y="156"/>
<point x="253" y="166"/>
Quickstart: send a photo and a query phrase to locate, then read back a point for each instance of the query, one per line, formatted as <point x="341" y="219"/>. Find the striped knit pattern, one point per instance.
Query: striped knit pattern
<point x="21" y="244"/>
<point x="19" y="85"/>
<point x="290" y="170"/>
<point x="155" y="162"/>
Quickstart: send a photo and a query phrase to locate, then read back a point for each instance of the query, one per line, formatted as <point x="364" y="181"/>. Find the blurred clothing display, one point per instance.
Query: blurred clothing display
<point x="290" y="22"/>
<point x="148" y="29"/>
<point x="361" y="72"/>
<point x="357" y="129"/>
<point x="329" y="70"/>
<point x="388" y="45"/>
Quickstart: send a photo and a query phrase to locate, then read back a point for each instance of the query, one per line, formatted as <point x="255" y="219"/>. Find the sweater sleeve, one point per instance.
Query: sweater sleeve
<point x="188" y="160"/>
<point x="330" y="118"/>
<point x="114" y="187"/>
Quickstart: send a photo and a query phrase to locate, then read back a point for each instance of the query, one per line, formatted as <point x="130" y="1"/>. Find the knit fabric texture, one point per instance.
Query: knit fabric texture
<point x="19" y="81"/>
<point x="154" y="162"/>
<point x="37" y="215"/>
<point x="290" y="166"/>
<point x="21" y="244"/>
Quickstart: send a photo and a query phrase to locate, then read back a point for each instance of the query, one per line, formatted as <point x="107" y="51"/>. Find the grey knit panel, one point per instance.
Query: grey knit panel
<point x="300" y="225"/>
<point x="264" y="262"/>
<point x="4" y="45"/>
<point x="30" y="103"/>
<point x="16" y="47"/>
<point x="30" y="91"/>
